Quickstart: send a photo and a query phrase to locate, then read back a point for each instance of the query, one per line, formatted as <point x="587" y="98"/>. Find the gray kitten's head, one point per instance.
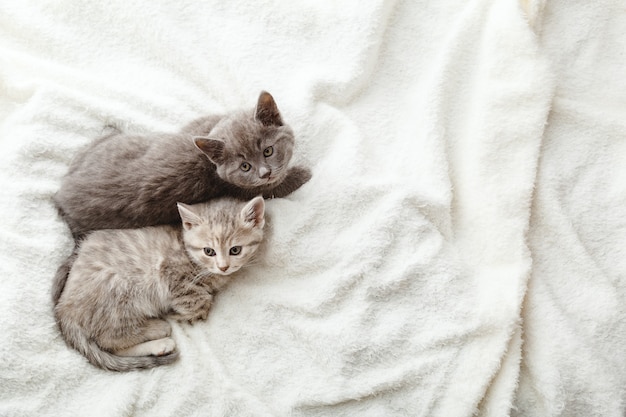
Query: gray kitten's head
<point x="250" y="150"/>
<point x="223" y="235"/>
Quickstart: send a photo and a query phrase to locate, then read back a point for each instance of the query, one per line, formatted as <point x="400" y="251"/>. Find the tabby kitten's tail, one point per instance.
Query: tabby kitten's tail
<point x="107" y="360"/>
<point x="60" y="278"/>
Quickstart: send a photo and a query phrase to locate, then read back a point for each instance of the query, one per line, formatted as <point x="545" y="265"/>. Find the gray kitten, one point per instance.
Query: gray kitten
<point x="115" y="291"/>
<point x="126" y="181"/>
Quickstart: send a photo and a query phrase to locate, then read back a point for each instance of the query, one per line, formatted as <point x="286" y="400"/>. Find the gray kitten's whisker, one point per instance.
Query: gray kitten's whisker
<point x="125" y="180"/>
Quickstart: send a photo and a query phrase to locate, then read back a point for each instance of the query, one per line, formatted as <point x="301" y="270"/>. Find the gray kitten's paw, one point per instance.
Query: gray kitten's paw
<point x="300" y="175"/>
<point x="296" y="177"/>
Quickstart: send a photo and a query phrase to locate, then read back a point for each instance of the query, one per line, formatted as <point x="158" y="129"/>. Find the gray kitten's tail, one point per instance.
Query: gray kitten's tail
<point x="109" y="361"/>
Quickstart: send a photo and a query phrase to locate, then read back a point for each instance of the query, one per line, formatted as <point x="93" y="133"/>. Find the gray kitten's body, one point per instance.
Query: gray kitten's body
<point x="128" y="181"/>
<point x="113" y="294"/>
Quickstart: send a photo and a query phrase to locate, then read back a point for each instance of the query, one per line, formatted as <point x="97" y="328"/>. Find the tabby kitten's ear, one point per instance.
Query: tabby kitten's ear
<point x="253" y="213"/>
<point x="266" y="110"/>
<point x="213" y="148"/>
<point x="188" y="216"/>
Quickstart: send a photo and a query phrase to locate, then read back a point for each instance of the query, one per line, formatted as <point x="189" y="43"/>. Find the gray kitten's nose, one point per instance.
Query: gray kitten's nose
<point x="223" y="268"/>
<point x="264" y="172"/>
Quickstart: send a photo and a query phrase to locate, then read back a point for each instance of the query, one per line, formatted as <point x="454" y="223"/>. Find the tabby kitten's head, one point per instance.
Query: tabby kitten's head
<point x="223" y="235"/>
<point x="250" y="150"/>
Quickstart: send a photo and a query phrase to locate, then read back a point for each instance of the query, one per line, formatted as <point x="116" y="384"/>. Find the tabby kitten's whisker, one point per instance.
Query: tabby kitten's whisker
<point x="117" y="319"/>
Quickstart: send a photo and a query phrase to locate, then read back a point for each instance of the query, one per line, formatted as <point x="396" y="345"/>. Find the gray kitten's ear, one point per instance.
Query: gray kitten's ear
<point x="188" y="216"/>
<point x="266" y="110"/>
<point x="213" y="148"/>
<point x="253" y="213"/>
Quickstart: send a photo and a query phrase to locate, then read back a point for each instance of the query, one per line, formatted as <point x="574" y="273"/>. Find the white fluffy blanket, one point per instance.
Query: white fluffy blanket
<point x="459" y="251"/>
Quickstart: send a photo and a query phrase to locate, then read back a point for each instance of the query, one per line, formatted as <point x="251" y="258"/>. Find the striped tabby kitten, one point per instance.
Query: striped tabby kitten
<point x="127" y="181"/>
<point x="114" y="293"/>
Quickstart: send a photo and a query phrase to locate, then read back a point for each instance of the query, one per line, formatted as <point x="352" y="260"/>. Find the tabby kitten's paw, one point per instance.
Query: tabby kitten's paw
<point x="158" y="347"/>
<point x="192" y="308"/>
<point x="201" y="314"/>
<point x="163" y="346"/>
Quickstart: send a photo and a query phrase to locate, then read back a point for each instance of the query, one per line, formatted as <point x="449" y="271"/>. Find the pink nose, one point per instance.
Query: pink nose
<point x="223" y="268"/>
<point x="265" y="172"/>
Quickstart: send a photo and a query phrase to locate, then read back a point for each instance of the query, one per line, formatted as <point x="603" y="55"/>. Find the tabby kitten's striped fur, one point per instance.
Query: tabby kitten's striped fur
<point x="113" y="295"/>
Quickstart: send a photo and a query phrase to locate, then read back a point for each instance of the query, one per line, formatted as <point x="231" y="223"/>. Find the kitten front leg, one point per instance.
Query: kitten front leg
<point x="296" y="177"/>
<point x="139" y="338"/>
<point x="191" y="307"/>
<point x="157" y="329"/>
<point x="157" y="347"/>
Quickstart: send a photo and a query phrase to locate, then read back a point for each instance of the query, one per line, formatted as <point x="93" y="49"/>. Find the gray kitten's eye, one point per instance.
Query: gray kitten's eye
<point x="268" y="151"/>
<point x="245" y="167"/>
<point x="235" y="250"/>
<point x="209" y="252"/>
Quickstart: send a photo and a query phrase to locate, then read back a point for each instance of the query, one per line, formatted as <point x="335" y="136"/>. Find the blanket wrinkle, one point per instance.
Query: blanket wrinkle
<point x="573" y="349"/>
<point x="458" y="251"/>
<point x="341" y="91"/>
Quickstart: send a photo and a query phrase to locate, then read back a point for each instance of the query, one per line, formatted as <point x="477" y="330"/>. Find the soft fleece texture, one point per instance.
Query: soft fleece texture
<point x="459" y="250"/>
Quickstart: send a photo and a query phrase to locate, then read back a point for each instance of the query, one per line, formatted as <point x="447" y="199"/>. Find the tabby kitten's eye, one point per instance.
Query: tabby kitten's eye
<point x="235" y="250"/>
<point x="268" y="151"/>
<point x="245" y="167"/>
<point x="209" y="252"/>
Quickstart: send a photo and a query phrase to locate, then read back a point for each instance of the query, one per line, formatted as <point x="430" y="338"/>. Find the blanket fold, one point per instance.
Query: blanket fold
<point x="462" y="228"/>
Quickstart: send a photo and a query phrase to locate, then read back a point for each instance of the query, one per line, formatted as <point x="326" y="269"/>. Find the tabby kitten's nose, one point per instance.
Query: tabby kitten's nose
<point x="265" y="172"/>
<point x="223" y="268"/>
